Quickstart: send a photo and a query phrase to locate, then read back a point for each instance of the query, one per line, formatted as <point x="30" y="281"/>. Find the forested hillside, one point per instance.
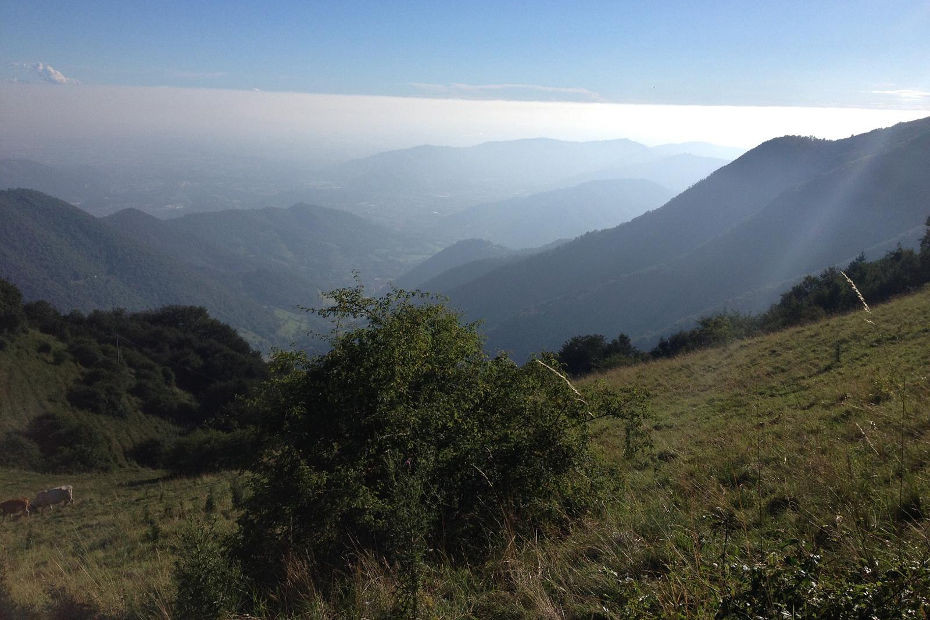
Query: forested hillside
<point x="251" y="269"/>
<point x="111" y="388"/>
<point x="55" y="252"/>
<point x="458" y="254"/>
<point x="737" y="239"/>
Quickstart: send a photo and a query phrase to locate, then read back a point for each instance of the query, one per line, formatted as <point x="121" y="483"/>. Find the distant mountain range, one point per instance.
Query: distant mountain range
<point x="735" y="239"/>
<point x="539" y="219"/>
<point x="410" y="189"/>
<point x="249" y="268"/>
<point x="414" y="186"/>
<point x="786" y="208"/>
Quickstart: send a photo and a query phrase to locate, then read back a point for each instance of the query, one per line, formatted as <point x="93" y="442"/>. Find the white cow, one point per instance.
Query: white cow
<point x="49" y="497"/>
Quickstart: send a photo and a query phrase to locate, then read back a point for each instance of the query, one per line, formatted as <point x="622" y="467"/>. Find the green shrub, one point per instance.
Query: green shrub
<point x="86" y="352"/>
<point x="104" y="397"/>
<point x="12" y="316"/>
<point x="407" y="441"/>
<point x="68" y="444"/>
<point x="19" y="452"/>
<point x="206" y="450"/>
<point x="205" y="583"/>
<point x="149" y="453"/>
<point x="798" y="585"/>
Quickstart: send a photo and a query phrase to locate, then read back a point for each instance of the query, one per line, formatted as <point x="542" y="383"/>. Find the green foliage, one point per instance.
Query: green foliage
<point x="209" y="449"/>
<point x="581" y="355"/>
<point x="12" y="316"/>
<point x="899" y="272"/>
<point x="175" y="363"/>
<point x="19" y="452"/>
<point x="205" y="583"/>
<point x="405" y="440"/>
<point x="149" y="453"/>
<point x="68" y="444"/>
<point x="798" y="585"/>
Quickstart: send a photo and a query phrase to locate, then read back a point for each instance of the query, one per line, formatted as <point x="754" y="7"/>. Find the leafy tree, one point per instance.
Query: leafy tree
<point x="580" y="354"/>
<point x="407" y="441"/>
<point x="925" y="253"/>
<point x="12" y="317"/>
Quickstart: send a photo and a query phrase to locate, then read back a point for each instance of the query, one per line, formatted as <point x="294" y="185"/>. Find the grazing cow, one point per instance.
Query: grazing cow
<point x="15" y="506"/>
<point x="49" y="497"/>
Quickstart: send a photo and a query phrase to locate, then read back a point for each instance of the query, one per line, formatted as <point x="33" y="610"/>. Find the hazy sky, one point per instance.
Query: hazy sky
<point x="872" y="58"/>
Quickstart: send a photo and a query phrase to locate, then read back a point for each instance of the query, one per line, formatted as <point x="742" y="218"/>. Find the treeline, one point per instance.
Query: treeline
<point x="899" y="272"/>
<point x="175" y="363"/>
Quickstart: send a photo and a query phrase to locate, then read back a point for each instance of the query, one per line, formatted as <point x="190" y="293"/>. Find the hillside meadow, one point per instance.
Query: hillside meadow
<point x="788" y="475"/>
<point x="111" y="553"/>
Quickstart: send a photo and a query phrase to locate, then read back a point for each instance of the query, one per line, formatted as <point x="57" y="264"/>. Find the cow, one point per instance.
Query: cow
<point x="50" y="497"/>
<point x="15" y="506"/>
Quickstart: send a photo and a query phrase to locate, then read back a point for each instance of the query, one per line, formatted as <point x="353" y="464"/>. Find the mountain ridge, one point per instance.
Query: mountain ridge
<point x="655" y="261"/>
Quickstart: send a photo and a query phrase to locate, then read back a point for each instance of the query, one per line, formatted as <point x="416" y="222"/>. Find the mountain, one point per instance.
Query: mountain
<point x="535" y="220"/>
<point x="407" y="188"/>
<point x="324" y="245"/>
<point x="676" y="172"/>
<point x="54" y="251"/>
<point x="415" y="186"/>
<point x="248" y="268"/>
<point x="700" y="149"/>
<point x="458" y="275"/>
<point x="177" y="184"/>
<point x="457" y="254"/>
<point x="788" y="207"/>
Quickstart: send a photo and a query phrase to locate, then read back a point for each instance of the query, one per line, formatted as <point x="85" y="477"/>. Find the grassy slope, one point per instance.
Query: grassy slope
<point x="772" y="436"/>
<point x="32" y="383"/>
<point x="766" y="446"/>
<point x="795" y="439"/>
<point x="111" y="551"/>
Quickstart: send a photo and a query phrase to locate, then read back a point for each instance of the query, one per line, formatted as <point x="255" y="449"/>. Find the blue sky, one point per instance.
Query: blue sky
<point x="329" y="80"/>
<point x="850" y="53"/>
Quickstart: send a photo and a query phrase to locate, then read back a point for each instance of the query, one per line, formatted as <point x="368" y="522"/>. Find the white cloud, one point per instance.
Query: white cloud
<point x="508" y="92"/>
<point x="32" y="72"/>
<point x="907" y="94"/>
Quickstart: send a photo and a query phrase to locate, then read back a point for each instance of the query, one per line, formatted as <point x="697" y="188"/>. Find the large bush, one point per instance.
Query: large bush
<point x="12" y="316"/>
<point x="405" y="440"/>
<point x="69" y="444"/>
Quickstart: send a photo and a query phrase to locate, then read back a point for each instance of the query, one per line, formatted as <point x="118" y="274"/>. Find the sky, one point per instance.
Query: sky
<point x="729" y="72"/>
